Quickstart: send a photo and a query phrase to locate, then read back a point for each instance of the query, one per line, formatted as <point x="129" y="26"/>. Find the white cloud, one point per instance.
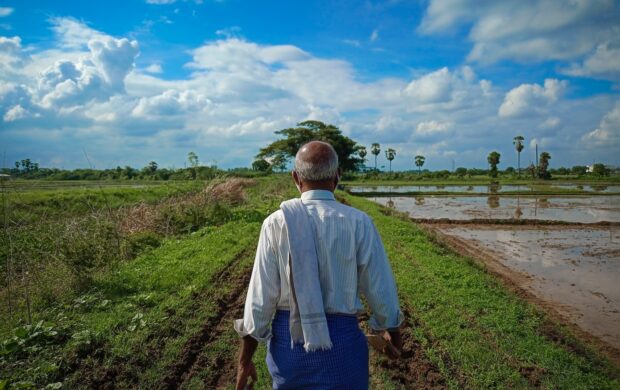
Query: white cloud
<point x="114" y="58"/>
<point x="525" y="30"/>
<point x="375" y="35"/>
<point x="608" y="132"/>
<point x="85" y="89"/>
<point x="15" y="113"/>
<point x="432" y="127"/>
<point x="73" y="34"/>
<point x="603" y="63"/>
<point x="443" y="89"/>
<point x="5" y="11"/>
<point x="170" y="103"/>
<point x="528" y="99"/>
<point x="154" y="68"/>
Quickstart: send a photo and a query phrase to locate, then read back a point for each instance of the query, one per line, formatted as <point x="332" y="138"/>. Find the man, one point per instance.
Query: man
<point x="315" y="257"/>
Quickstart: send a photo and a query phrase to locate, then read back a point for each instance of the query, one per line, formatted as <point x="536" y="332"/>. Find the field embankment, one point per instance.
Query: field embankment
<point x="164" y="318"/>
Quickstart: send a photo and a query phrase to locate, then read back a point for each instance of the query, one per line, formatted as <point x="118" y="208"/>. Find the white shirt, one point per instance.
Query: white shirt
<point x="352" y="262"/>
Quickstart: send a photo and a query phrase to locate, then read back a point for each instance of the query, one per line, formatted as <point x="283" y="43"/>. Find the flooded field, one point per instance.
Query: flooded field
<point x="575" y="270"/>
<point x="582" y="209"/>
<point x="484" y="189"/>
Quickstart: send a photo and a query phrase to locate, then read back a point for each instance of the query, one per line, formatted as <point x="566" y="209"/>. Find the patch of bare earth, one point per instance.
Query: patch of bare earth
<point x="194" y="358"/>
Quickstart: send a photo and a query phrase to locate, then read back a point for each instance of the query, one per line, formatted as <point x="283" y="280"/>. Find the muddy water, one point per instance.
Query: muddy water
<point x="427" y="188"/>
<point x="576" y="270"/>
<point x="568" y="209"/>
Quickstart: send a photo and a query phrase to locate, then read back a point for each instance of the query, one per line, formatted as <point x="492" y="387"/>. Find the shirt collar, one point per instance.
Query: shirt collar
<point x="318" y="195"/>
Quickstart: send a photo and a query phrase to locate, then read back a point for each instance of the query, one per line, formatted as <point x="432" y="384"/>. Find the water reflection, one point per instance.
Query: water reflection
<point x="599" y="187"/>
<point x="569" y="209"/>
<point x="390" y="203"/>
<point x="494" y="188"/>
<point x="518" y="211"/>
<point x="493" y="201"/>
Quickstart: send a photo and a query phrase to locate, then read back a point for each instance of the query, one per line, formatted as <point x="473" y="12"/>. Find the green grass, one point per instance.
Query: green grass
<point x="135" y="321"/>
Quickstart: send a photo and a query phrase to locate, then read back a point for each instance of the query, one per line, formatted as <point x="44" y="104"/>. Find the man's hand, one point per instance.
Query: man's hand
<point x="246" y="368"/>
<point x="245" y="372"/>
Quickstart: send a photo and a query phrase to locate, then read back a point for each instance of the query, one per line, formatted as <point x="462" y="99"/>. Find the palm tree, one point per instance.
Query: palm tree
<point x="543" y="164"/>
<point x="518" y="143"/>
<point x="375" y="149"/>
<point x="419" y="161"/>
<point x="390" y="154"/>
<point x="493" y="160"/>
<point x="361" y="151"/>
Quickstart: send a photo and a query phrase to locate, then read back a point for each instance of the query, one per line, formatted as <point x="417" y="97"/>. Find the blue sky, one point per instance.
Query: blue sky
<point x="139" y="80"/>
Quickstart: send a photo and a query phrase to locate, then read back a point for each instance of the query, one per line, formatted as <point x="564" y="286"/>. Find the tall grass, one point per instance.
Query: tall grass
<point x="47" y="257"/>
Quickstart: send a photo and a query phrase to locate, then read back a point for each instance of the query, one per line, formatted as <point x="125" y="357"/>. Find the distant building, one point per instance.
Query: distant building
<point x="4" y="176"/>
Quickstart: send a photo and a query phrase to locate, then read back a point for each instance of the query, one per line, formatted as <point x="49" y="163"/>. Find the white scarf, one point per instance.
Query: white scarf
<point x="307" y="322"/>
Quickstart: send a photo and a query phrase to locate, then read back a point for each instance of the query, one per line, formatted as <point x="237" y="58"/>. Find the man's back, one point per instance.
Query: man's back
<point x="345" y="241"/>
<point x="314" y="260"/>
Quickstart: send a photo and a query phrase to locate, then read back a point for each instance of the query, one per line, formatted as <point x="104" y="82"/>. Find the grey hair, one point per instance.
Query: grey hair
<point x="317" y="169"/>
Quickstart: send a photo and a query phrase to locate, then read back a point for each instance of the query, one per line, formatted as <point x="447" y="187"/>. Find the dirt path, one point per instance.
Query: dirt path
<point x="193" y="358"/>
<point x="414" y="369"/>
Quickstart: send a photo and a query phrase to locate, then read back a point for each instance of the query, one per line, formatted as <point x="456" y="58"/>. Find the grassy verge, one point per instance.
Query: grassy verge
<point x="474" y="329"/>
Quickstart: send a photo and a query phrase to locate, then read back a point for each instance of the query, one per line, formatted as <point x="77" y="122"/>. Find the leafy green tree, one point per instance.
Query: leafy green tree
<point x="261" y="165"/>
<point x="192" y="158"/>
<point x="493" y="160"/>
<point x="543" y="166"/>
<point x="518" y="143"/>
<point x="152" y="167"/>
<point x="600" y="170"/>
<point x="375" y="149"/>
<point x="284" y="149"/>
<point x="461" y="172"/>
<point x="279" y="162"/>
<point x="390" y="154"/>
<point x="419" y="162"/>
<point x="579" y="170"/>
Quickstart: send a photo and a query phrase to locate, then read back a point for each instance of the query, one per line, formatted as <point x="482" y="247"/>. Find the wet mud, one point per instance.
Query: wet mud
<point x="578" y="209"/>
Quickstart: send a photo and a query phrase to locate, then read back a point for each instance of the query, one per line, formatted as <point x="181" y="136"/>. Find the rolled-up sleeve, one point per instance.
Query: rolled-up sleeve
<point x="263" y="291"/>
<point x="376" y="281"/>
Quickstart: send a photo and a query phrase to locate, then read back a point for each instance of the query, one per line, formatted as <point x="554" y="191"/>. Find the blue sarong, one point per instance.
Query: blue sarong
<point x="344" y="366"/>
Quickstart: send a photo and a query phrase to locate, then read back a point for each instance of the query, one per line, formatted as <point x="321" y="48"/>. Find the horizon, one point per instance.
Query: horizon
<point x="448" y="80"/>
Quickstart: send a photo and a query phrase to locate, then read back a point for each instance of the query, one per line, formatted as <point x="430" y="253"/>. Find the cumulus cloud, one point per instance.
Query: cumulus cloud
<point x="86" y="87"/>
<point x="169" y="103"/>
<point x="445" y="89"/>
<point x="114" y="58"/>
<point x="528" y="99"/>
<point x="74" y="34"/>
<point x="603" y="63"/>
<point x="529" y="30"/>
<point x="432" y="127"/>
<point x="608" y="131"/>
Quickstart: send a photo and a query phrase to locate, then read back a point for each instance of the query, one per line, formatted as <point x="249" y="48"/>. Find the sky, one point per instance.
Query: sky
<point x="107" y="83"/>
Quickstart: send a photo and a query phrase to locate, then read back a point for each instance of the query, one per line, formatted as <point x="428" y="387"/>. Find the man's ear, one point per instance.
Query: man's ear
<point x="296" y="178"/>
